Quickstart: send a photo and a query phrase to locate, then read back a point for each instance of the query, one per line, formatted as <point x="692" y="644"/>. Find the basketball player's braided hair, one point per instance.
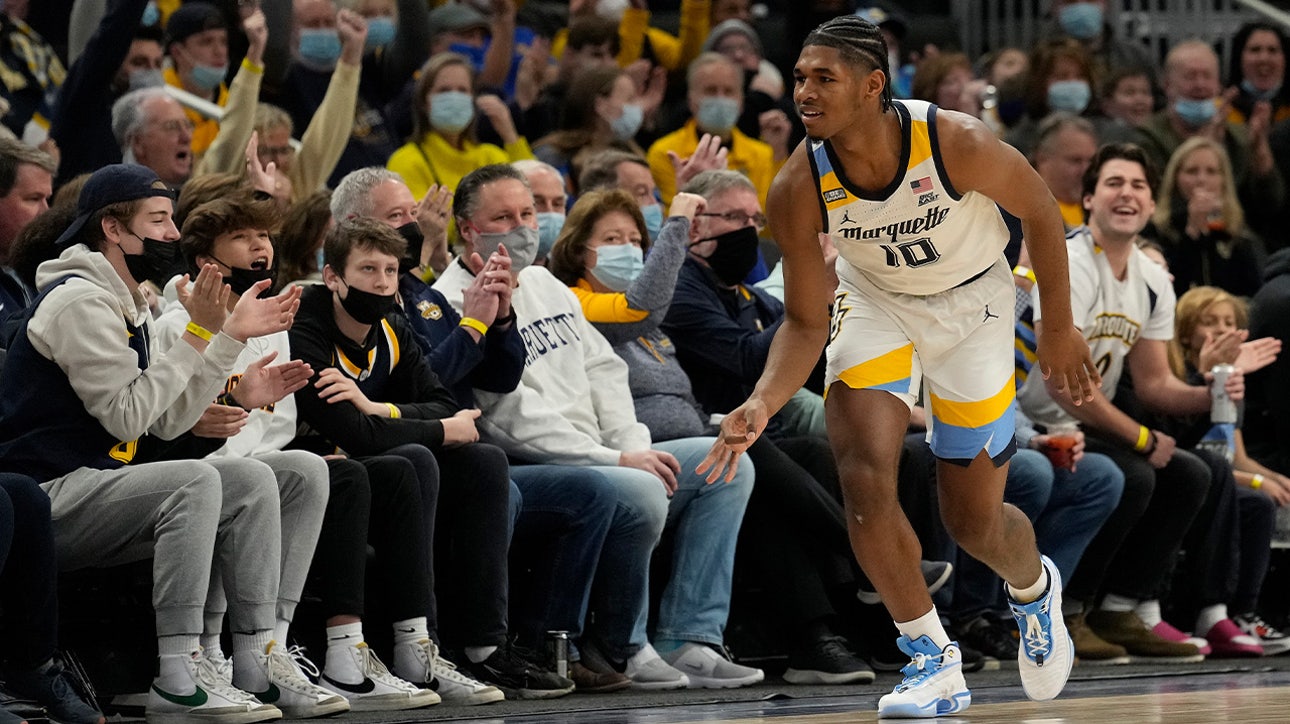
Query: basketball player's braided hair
<point x="860" y="43"/>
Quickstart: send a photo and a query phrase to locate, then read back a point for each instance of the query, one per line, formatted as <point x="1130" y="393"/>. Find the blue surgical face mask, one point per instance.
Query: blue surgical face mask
<point x="380" y="32"/>
<point x="149" y="78"/>
<point x="320" y="47"/>
<point x="1082" y="21"/>
<point x="626" y="125"/>
<point x="151" y="16"/>
<point x="1195" y="113"/>
<point x="1259" y="95"/>
<point x="618" y="265"/>
<point x="1071" y="96"/>
<point x="208" y="77"/>
<point x="717" y="115"/>
<point x="653" y="220"/>
<point x="451" y="111"/>
<point x="474" y="53"/>
<point x="550" y="224"/>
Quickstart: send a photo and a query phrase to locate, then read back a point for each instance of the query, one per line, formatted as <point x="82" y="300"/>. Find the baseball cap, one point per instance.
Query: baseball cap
<point x="192" y="18"/>
<point x="452" y="17"/>
<point x="112" y="185"/>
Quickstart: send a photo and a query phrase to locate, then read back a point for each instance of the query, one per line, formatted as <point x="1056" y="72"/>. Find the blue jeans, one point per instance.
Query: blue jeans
<point x="706" y="519"/>
<point x="1067" y="510"/>
<point x="565" y="515"/>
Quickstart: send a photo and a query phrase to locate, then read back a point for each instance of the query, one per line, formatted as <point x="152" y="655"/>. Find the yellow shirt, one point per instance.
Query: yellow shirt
<point x="748" y="156"/>
<point x="670" y="51"/>
<point x="1072" y="214"/>
<point x="435" y="161"/>
<point x="204" y="129"/>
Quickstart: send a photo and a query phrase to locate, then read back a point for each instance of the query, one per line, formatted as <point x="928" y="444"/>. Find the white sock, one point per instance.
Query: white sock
<point x="340" y="665"/>
<point x="1030" y="593"/>
<point x="211" y="645"/>
<point x="172" y="672"/>
<point x="280" y="630"/>
<point x="1149" y="612"/>
<point x="181" y="645"/>
<point x="477" y="654"/>
<point x="929" y="625"/>
<point x="1209" y="616"/>
<point x="257" y="641"/>
<point x="408" y="635"/>
<point x="1112" y="602"/>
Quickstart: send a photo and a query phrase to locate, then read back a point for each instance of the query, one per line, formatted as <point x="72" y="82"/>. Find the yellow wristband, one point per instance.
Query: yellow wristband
<point x="1144" y="439"/>
<point x="394" y="411"/>
<point x="254" y="68"/>
<point x="199" y="331"/>
<point x="474" y="324"/>
<point x="428" y="275"/>
<point x="1256" y="482"/>
<point x="1024" y="272"/>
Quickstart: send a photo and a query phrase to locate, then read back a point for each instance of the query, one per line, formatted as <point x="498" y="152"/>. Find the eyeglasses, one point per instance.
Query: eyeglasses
<point x="272" y="152"/>
<point x="741" y="218"/>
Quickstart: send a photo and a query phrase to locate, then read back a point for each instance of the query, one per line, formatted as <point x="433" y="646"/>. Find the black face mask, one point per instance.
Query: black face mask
<point x="156" y="262"/>
<point x="735" y="255"/>
<point x="412" y="234"/>
<point x="240" y="280"/>
<point x="366" y="307"/>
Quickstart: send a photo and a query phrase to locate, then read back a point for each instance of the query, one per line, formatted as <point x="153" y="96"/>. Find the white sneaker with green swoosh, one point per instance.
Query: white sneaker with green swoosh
<point x="207" y="699"/>
<point x="275" y="677"/>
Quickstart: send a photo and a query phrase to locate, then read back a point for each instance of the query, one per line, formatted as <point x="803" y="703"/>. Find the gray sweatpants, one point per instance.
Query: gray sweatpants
<point x="184" y="514"/>
<point x="302" y="481"/>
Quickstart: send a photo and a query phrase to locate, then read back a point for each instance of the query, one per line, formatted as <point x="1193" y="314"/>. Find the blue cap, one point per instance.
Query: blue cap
<point x="112" y="185"/>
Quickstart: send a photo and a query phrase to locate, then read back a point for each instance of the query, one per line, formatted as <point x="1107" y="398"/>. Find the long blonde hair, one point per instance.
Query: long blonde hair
<point x="1233" y="214"/>
<point x="1187" y="315"/>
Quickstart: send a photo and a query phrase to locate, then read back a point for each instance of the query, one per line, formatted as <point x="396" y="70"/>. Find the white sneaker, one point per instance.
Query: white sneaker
<point x="1046" y="653"/>
<point x="379" y="690"/>
<point x="648" y="670"/>
<point x="206" y="698"/>
<point x="707" y="669"/>
<point x="933" y="684"/>
<point x="441" y="675"/>
<point x="275" y="677"/>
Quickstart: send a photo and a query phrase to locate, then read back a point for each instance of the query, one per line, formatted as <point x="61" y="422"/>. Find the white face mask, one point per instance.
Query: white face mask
<point x="612" y="9"/>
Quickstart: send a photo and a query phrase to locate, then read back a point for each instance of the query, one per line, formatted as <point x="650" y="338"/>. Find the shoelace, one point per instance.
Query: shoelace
<point x="297" y="654"/>
<point x="428" y="652"/>
<point x="283" y="669"/>
<point x="1260" y="628"/>
<point x="1036" y="640"/>
<point x="919" y="669"/>
<point x="374" y="669"/>
<point x="208" y="675"/>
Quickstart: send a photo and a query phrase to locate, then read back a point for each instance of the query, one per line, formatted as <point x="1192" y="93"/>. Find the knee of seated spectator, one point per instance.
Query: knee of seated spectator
<point x="23" y="496"/>
<point x="1189" y="477"/>
<point x="247" y="480"/>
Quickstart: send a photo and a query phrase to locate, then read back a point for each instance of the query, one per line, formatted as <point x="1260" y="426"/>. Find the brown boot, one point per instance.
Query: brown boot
<point x="1090" y="649"/>
<point x="1126" y="629"/>
<point x="595" y="682"/>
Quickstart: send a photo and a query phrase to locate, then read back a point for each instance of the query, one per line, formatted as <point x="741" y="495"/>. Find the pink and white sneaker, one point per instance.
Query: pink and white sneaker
<point x="1166" y="631"/>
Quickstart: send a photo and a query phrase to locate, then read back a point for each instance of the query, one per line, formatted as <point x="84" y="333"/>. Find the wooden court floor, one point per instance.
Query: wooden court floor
<point x="1247" y="697"/>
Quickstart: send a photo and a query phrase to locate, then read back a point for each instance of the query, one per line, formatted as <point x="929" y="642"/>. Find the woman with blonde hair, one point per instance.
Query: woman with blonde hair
<point x="444" y="147"/>
<point x="1201" y="224"/>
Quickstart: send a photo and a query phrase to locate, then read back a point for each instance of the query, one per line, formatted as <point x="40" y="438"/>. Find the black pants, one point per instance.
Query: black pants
<point x="1134" y="552"/>
<point x="28" y="573"/>
<point x="374" y="501"/>
<point x="794" y="534"/>
<point x="470" y="528"/>
<point x="1228" y="547"/>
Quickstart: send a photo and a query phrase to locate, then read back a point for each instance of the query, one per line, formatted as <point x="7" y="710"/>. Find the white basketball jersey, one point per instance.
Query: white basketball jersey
<point x="918" y="235"/>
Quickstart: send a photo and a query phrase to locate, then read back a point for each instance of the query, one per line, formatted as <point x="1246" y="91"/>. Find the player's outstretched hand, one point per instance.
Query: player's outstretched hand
<point x="739" y="430"/>
<point x="1065" y="361"/>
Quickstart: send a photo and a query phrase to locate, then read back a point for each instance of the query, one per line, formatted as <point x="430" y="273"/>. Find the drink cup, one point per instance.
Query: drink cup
<point x="1061" y="440"/>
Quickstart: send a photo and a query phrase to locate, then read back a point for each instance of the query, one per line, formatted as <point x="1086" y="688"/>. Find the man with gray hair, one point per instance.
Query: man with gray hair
<point x="26" y="178"/>
<point x="1065" y="147"/>
<point x="463" y="356"/>
<point x="550" y="198"/>
<point x="152" y="130"/>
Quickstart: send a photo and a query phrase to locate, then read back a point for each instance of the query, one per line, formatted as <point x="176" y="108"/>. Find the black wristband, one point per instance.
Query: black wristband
<point x="228" y="400"/>
<point x="1152" y="447"/>
<point x="504" y="320"/>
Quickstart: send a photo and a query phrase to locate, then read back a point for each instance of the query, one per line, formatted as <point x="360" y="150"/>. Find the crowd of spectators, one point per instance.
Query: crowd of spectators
<point x="471" y="283"/>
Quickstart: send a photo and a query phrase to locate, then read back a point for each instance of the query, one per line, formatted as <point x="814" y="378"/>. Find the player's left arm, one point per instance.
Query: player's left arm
<point x="976" y="160"/>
